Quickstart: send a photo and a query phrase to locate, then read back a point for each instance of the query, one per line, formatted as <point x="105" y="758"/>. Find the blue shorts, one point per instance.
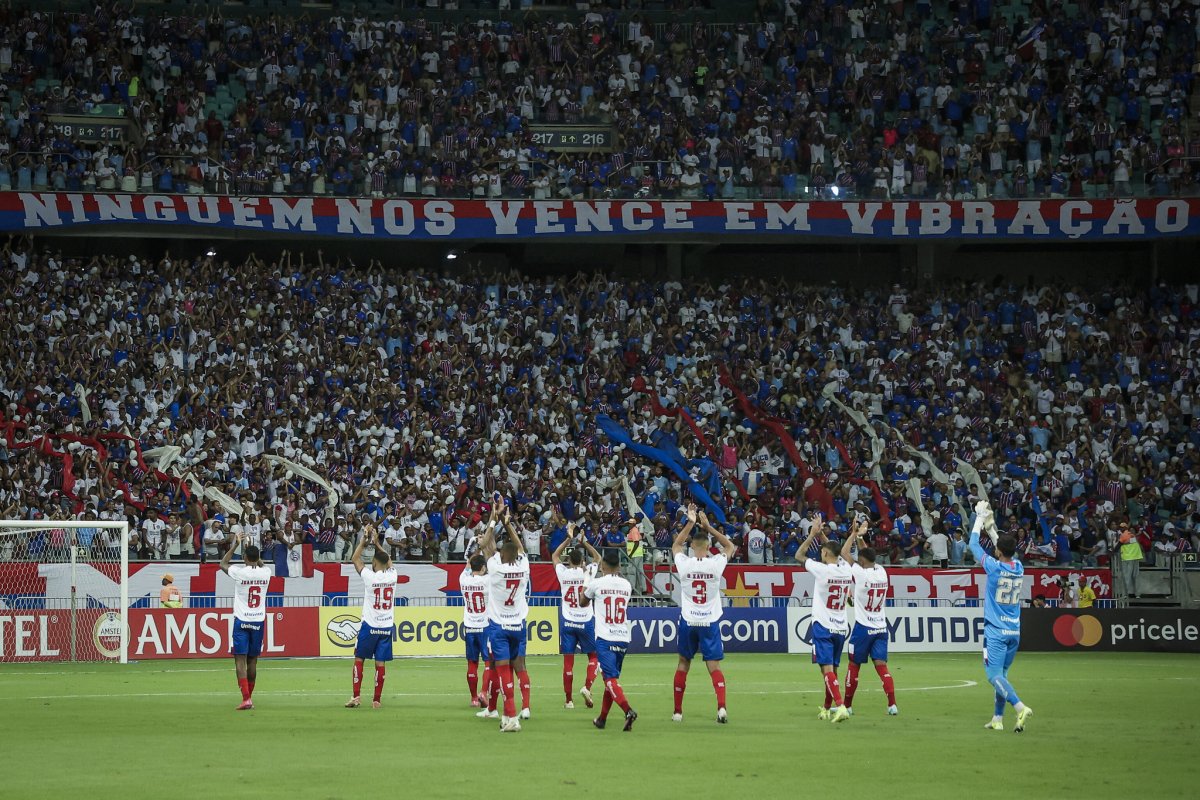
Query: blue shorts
<point x="826" y="646"/>
<point x="477" y="645"/>
<point x="867" y="643"/>
<point x="572" y="635"/>
<point x="999" y="652"/>
<point x="506" y="644"/>
<point x="374" y="643"/>
<point x="705" y="638"/>
<point x="247" y="638"/>
<point x="611" y="656"/>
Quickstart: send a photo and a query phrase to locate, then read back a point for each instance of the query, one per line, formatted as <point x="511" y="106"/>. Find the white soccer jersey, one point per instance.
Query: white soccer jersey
<point x="474" y="591"/>
<point x="700" y="587"/>
<point x="507" y="585"/>
<point x="870" y="595"/>
<point x="571" y="583"/>
<point x="249" y="592"/>
<point x="610" y="595"/>
<point x="379" y="591"/>
<point x="832" y="588"/>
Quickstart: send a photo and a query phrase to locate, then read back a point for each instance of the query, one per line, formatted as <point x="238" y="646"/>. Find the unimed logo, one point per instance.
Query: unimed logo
<point x="1084" y="631"/>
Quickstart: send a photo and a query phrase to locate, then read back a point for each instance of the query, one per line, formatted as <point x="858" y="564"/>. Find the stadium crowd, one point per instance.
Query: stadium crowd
<point x="964" y="99"/>
<point x="414" y="395"/>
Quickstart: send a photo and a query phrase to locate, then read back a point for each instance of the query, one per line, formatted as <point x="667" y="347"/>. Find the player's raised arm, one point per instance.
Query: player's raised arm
<point x="512" y="531"/>
<point x="591" y="551"/>
<point x="680" y="542"/>
<point x="556" y="556"/>
<point x="356" y="558"/>
<point x="227" y="559"/>
<point x="729" y="547"/>
<point x="982" y="512"/>
<point x="816" y="527"/>
<point x="487" y="544"/>
<point x="859" y="529"/>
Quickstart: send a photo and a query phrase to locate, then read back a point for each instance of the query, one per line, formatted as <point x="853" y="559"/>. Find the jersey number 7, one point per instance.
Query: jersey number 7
<point x="513" y="585"/>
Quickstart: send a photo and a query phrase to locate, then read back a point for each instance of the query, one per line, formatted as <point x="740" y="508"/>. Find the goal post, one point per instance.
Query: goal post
<point x="64" y="590"/>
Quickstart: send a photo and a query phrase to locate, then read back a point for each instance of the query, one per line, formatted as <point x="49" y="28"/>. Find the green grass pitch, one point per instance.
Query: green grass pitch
<point x="1105" y="726"/>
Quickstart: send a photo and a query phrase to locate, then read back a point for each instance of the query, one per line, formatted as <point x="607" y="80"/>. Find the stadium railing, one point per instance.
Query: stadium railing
<point x="42" y="603"/>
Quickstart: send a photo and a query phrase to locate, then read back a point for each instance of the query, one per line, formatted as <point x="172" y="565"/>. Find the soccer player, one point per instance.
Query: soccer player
<point x="250" y="581"/>
<point x="474" y="586"/>
<point x="700" y="606"/>
<point x="1001" y="615"/>
<point x="378" y="614"/>
<point x="869" y="638"/>
<point x="832" y="587"/>
<point x="508" y="610"/>
<point x="611" y="593"/>
<point x="577" y="624"/>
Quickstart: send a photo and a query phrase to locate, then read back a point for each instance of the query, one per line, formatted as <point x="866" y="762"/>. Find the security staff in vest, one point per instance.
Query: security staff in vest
<point x="635" y="552"/>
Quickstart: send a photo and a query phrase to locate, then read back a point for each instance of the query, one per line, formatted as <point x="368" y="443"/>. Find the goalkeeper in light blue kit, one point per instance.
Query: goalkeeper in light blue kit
<point x="1001" y="614"/>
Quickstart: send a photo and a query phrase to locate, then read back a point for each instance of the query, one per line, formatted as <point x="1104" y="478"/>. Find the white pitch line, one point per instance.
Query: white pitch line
<point x="306" y="693"/>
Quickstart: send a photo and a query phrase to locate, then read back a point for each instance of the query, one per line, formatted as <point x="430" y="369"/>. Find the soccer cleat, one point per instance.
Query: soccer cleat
<point x="510" y="725"/>
<point x="630" y="718"/>
<point x="994" y="725"/>
<point x="246" y="706"/>
<point x="893" y="711"/>
<point x="482" y="698"/>
<point x="569" y="705"/>
<point x="1022" y="718"/>
<point x="524" y="713"/>
<point x="586" y="694"/>
<point x="476" y="702"/>
<point x="485" y="714"/>
<point x="376" y="704"/>
<point x="722" y="715"/>
<point x="824" y="715"/>
<point x="850" y="711"/>
<point x="840" y="714"/>
<point x="354" y="703"/>
<point x="677" y="718"/>
<point x="599" y="723"/>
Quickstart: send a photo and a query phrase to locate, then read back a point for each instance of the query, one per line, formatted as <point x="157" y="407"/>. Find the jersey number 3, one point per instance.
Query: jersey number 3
<point x="699" y="592"/>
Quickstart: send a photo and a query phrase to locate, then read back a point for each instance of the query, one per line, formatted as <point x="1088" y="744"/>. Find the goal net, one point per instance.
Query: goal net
<point x="64" y="590"/>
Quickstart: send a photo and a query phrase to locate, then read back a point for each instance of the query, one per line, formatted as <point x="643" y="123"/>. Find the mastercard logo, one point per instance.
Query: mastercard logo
<point x="1085" y="631"/>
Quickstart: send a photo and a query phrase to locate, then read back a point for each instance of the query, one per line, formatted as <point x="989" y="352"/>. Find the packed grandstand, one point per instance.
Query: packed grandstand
<point x="286" y="393"/>
<point x="415" y="394"/>
<point x="959" y="100"/>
